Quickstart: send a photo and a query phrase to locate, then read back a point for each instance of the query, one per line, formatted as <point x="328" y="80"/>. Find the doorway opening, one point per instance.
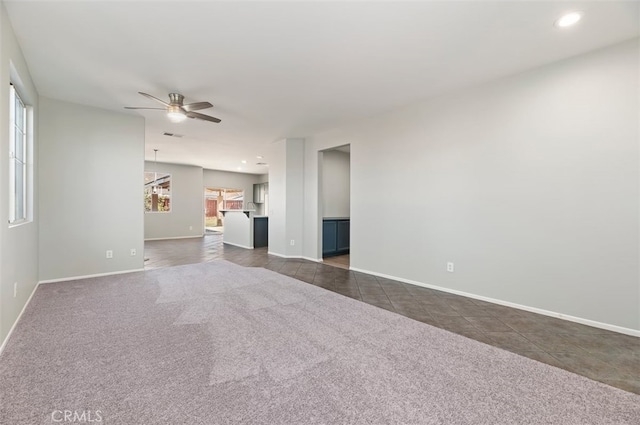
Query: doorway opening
<point x="217" y="200"/>
<point x="335" y="206"/>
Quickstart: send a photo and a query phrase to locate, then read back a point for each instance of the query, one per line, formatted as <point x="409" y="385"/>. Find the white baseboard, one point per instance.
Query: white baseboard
<point x="174" y="237"/>
<point x="315" y="260"/>
<point x="237" y="244"/>
<point x="284" y="256"/>
<point x="583" y="321"/>
<point x="24" y="307"/>
<point x="293" y="257"/>
<point x="89" y="276"/>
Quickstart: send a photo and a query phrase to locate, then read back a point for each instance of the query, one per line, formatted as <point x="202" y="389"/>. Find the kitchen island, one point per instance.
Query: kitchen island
<point x="239" y="228"/>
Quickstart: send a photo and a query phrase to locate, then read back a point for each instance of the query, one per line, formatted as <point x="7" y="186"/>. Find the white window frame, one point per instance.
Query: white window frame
<point x="18" y="134"/>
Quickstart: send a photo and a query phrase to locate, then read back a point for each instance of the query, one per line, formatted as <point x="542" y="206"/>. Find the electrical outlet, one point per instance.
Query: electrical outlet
<point x="450" y="267"/>
<point x="190" y="227"/>
<point x="109" y="254"/>
<point x="133" y="252"/>
<point x="15" y="289"/>
<point x="293" y="242"/>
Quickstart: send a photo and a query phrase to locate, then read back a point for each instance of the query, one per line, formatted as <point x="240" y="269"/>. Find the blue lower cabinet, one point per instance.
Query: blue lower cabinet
<point x="260" y="232"/>
<point x="329" y="237"/>
<point x="335" y="237"/>
<point x="343" y="236"/>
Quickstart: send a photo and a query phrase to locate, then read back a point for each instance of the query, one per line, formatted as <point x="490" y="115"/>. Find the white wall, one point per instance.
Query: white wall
<point x="238" y="229"/>
<point x="336" y="184"/>
<point x="186" y="218"/>
<point x="295" y="197"/>
<point x="18" y="244"/>
<point x="228" y="180"/>
<point x="278" y="199"/>
<point x="528" y="184"/>
<point x="286" y="198"/>
<point x="91" y="185"/>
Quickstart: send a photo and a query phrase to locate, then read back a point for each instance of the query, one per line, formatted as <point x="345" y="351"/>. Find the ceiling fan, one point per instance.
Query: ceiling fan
<point x="177" y="111"/>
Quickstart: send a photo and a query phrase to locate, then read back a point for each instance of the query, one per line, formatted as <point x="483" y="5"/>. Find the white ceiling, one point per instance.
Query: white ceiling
<point x="289" y="69"/>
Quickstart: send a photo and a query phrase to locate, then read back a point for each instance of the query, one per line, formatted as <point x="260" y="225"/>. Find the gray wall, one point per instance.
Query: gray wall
<point x="336" y="184"/>
<point x="18" y="244"/>
<point x="229" y="180"/>
<point x="186" y="218"/>
<point x="286" y="198"/>
<point x="90" y="190"/>
<point x="528" y="184"/>
<point x="278" y="198"/>
<point x="295" y="197"/>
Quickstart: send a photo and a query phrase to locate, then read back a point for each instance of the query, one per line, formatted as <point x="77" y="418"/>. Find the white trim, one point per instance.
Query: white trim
<point x="293" y="257"/>
<point x="315" y="260"/>
<point x="282" y="255"/>
<point x="583" y="321"/>
<point x="301" y="257"/>
<point x="4" y="343"/>
<point x="237" y="244"/>
<point x="175" y="237"/>
<point x="19" y="223"/>
<point x="89" y="276"/>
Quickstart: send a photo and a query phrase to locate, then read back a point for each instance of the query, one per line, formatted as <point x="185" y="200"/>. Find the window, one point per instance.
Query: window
<point x="157" y="191"/>
<point x="17" y="158"/>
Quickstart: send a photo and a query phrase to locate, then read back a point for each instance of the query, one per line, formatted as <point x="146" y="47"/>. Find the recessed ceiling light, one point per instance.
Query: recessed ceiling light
<point x="259" y="157"/>
<point x="243" y="161"/>
<point x="568" y="19"/>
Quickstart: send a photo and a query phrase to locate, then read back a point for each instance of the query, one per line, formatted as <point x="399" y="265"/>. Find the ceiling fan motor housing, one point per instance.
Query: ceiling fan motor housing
<point x="176" y="99"/>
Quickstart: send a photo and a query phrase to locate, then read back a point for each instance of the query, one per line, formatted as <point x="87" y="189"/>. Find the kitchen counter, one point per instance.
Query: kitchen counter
<point x="244" y="229"/>
<point x="246" y="212"/>
<point x="238" y="228"/>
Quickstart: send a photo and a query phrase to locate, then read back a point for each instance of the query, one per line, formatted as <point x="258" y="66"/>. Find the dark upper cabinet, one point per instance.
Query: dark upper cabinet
<point x="335" y="237"/>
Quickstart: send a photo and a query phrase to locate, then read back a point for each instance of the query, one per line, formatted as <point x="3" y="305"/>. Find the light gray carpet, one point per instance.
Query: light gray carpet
<point x="217" y="343"/>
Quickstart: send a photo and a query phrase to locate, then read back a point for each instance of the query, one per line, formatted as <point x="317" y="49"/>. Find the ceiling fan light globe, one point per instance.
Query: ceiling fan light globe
<point x="176" y="116"/>
<point x="568" y="19"/>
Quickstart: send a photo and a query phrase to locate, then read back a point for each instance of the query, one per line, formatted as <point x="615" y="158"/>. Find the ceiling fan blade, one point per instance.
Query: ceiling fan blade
<point x="196" y="106"/>
<point x="154" y="98"/>
<point x="202" y="117"/>
<point x="142" y="107"/>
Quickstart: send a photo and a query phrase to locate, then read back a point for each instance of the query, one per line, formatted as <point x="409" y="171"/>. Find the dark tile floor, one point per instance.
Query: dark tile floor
<point x="598" y="354"/>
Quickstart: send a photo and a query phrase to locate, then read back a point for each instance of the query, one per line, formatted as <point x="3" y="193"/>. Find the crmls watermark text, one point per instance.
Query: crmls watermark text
<point x="76" y="416"/>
